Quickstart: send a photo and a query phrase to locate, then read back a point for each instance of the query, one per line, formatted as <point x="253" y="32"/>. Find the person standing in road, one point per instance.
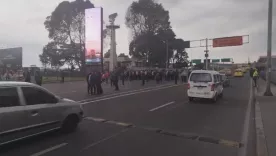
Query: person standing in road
<point x="98" y="80"/>
<point x="114" y="79"/>
<point x="38" y="78"/>
<point x="176" y="75"/>
<point x="143" y="77"/>
<point x="255" y="77"/>
<point x="158" y="77"/>
<point x="27" y="76"/>
<point x="123" y="78"/>
<point x="183" y="76"/>
<point x="62" y="76"/>
<point x="92" y="80"/>
<point x="88" y="83"/>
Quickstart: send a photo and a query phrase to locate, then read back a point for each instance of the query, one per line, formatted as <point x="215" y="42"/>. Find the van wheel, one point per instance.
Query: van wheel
<point x="70" y="124"/>
<point x="191" y="99"/>
<point x="214" y="100"/>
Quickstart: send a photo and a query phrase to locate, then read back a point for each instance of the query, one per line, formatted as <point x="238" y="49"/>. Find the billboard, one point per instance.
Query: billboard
<point x="11" y="58"/>
<point x="227" y="41"/>
<point x="93" y="36"/>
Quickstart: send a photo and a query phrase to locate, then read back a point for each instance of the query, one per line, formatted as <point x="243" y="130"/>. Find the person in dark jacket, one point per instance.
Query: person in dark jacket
<point x="176" y="75"/>
<point x="92" y="81"/>
<point x="38" y="78"/>
<point x="88" y="83"/>
<point x="99" y="83"/>
<point x="143" y="77"/>
<point x="114" y="78"/>
<point x="62" y="75"/>
<point x="27" y="76"/>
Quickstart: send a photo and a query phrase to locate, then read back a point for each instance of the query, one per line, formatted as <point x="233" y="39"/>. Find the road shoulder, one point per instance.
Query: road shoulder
<point x="265" y="125"/>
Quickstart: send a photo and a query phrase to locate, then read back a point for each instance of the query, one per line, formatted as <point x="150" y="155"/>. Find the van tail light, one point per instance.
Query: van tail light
<point x="189" y="86"/>
<point x="212" y="87"/>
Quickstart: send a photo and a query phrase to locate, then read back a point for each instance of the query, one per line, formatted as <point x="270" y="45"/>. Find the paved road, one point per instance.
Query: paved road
<point x="78" y="90"/>
<point x="162" y="122"/>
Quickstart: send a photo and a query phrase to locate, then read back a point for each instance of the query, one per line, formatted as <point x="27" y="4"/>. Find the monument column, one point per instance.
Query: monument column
<point x="113" y="55"/>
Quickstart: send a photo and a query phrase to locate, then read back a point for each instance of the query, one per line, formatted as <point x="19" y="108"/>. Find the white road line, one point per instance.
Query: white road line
<point x="113" y="97"/>
<point x="103" y="140"/>
<point x="131" y="91"/>
<point x="49" y="149"/>
<point x="154" y="109"/>
<point x="68" y="92"/>
<point x="246" y="124"/>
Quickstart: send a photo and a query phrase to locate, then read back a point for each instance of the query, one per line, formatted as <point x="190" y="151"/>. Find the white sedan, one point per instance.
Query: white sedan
<point x="28" y="110"/>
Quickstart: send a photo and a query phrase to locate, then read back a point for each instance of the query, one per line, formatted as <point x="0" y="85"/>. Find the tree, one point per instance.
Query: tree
<point x="181" y="55"/>
<point x="150" y="30"/>
<point x="52" y="56"/>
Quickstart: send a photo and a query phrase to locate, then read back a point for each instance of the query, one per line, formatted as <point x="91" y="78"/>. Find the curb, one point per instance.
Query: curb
<point x="261" y="144"/>
<point x="58" y="81"/>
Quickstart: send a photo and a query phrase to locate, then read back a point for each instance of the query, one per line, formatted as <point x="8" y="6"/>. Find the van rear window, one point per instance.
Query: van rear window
<point x="201" y="77"/>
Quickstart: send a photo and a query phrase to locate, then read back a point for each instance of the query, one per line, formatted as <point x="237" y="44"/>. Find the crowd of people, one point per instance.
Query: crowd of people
<point x="19" y="75"/>
<point x="10" y="75"/>
<point x="95" y="79"/>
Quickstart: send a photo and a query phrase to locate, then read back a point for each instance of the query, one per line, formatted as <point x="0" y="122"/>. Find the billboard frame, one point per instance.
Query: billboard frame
<point x="95" y="67"/>
<point x="245" y="41"/>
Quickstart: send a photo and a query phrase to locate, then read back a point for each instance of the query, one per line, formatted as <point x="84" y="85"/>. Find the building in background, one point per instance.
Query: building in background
<point x="123" y="61"/>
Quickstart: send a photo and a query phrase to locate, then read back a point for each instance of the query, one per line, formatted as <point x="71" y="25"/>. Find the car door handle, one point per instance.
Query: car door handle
<point x="34" y="113"/>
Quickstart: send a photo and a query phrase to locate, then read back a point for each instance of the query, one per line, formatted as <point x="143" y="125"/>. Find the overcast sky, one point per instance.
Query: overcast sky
<point x="21" y="24"/>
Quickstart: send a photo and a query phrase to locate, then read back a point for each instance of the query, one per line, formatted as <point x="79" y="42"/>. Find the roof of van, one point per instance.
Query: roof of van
<point x="205" y="71"/>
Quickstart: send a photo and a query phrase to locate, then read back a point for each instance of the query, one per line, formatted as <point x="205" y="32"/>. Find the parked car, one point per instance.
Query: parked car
<point x="225" y="80"/>
<point x="27" y="110"/>
<point x="205" y="84"/>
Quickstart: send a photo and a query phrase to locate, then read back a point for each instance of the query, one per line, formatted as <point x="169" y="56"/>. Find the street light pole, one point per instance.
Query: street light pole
<point x="269" y="47"/>
<point x="206" y="54"/>
<point x="167" y="54"/>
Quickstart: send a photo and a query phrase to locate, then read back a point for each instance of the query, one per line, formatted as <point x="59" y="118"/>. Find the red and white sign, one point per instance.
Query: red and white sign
<point x="227" y="41"/>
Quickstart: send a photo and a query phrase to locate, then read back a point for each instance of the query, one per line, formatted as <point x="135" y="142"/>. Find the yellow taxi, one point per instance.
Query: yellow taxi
<point x="238" y="73"/>
<point x="244" y="70"/>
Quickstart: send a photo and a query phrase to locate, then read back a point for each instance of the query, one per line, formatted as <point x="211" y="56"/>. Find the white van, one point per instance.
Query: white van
<point x="205" y="84"/>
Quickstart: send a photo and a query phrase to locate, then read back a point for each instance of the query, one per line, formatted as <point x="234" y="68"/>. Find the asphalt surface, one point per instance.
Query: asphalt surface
<point x="159" y="120"/>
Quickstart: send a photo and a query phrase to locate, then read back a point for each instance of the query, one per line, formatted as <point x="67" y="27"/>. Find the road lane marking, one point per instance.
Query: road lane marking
<point x="113" y="97"/>
<point x="246" y="124"/>
<point x="67" y="92"/>
<point x="103" y="140"/>
<point x="154" y="109"/>
<point x="125" y="92"/>
<point x="187" y="136"/>
<point x="49" y="149"/>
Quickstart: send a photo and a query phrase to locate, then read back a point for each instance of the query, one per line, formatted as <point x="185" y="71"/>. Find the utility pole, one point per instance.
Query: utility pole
<point x="269" y="47"/>
<point x="206" y="54"/>
<point x="167" y="54"/>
